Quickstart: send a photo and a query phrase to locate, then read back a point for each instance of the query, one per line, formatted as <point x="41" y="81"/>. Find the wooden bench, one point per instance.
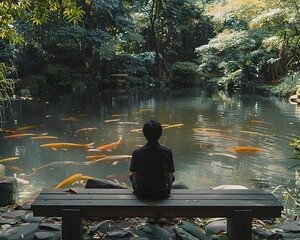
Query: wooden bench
<point x="239" y="206"/>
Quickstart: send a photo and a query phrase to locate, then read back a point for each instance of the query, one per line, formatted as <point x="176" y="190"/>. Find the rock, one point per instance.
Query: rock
<point x="119" y="234"/>
<point x="11" y="221"/>
<point x="30" y="218"/>
<point x="179" y="185"/>
<point x="14" y="214"/>
<point x="102" y="226"/>
<point x="24" y="232"/>
<point x="9" y="190"/>
<point x="229" y="187"/>
<point x="44" y="236"/>
<point x="192" y="229"/>
<point x="216" y="226"/>
<point x="153" y="231"/>
<point x="291" y="226"/>
<point x="183" y="235"/>
<point x="50" y="226"/>
<point x="102" y="183"/>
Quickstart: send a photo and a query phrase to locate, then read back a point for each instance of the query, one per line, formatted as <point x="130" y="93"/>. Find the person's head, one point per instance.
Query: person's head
<point x="152" y="130"/>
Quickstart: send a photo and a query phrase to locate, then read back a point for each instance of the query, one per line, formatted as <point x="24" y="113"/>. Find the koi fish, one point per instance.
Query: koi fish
<point x="27" y="127"/>
<point x="109" y="146"/>
<point x="68" y="180"/>
<point x="258" y="122"/>
<point x="96" y="156"/>
<point x="129" y="123"/>
<point x="67" y="145"/>
<point x="222" y="154"/>
<point x="86" y="130"/>
<point x="7" y="131"/>
<point x="223" y="136"/>
<point x="136" y="130"/>
<point x="109" y="158"/>
<point x="44" y="137"/>
<point x="119" y="176"/>
<point x="112" y="120"/>
<point x="255" y="133"/>
<point x="173" y="126"/>
<point x="8" y="159"/>
<point x="20" y="135"/>
<point x="52" y="165"/>
<point x="145" y="110"/>
<point x="85" y="114"/>
<point x="14" y="168"/>
<point x="70" y="119"/>
<point x="120" y="115"/>
<point x="212" y="129"/>
<point x="247" y="149"/>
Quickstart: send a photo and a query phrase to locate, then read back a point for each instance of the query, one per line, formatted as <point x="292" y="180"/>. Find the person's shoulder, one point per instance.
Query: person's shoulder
<point x="163" y="147"/>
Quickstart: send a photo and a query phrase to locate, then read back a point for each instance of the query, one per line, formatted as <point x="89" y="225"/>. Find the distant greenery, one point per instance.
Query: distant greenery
<point x="246" y="44"/>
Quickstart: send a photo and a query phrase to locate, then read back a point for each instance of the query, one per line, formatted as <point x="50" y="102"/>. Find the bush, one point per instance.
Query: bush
<point x="184" y="73"/>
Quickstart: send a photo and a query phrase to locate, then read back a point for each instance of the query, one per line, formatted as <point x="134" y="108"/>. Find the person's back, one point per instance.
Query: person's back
<point x="152" y="165"/>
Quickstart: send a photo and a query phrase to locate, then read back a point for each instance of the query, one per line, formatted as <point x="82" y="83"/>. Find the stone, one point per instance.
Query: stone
<point x="192" y="229"/>
<point x="9" y="191"/>
<point x="216" y="226"/>
<point x="183" y="235"/>
<point x="11" y="221"/>
<point x="14" y="214"/>
<point x="24" y="232"/>
<point x="30" y="218"/>
<point x="50" y="226"/>
<point x="119" y="234"/>
<point x="229" y="187"/>
<point x="102" y="226"/>
<point x="44" y="236"/>
<point x="153" y="231"/>
<point x="290" y="226"/>
<point x="102" y="183"/>
<point x="179" y="185"/>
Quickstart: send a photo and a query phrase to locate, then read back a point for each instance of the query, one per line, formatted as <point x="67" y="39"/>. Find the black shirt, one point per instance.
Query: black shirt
<point x="152" y="162"/>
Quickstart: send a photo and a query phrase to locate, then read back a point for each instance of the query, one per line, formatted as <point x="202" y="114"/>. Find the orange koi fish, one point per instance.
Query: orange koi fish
<point x="223" y="136"/>
<point x="119" y="176"/>
<point x="96" y="156"/>
<point x="8" y="159"/>
<point x="112" y="120"/>
<point x="110" y="145"/>
<point x="258" y="122"/>
<point x="27" y="127"/>
<point x="7" y="131"/>
<point x="67" y="145"/>
<point x="173" y="126"/>
<point x="68" y="180"/>
<point x="20" y="135"/>
<point x="212" y="129"/>
<point x="247" y="149"/>
<point x="44" y="137"/>
<point x="70" y="119"/>
<point x="85" y="114"/>
<point x="14" y="168"/>
<point x="86" y="130"/>
<point x="255" y="133"/>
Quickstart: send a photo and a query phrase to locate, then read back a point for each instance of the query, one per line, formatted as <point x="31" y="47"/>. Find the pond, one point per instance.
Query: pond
<point x="206" y="130"/>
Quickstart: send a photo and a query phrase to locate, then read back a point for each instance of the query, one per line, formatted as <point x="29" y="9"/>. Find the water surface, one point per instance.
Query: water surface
<point x="203" y="159"/>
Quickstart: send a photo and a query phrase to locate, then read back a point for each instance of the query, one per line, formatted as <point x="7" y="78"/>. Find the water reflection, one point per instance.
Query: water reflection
<point x="204" y="158"/>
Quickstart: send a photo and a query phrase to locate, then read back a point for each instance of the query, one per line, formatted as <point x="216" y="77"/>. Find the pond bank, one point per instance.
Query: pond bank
<point x="17" y="222"/>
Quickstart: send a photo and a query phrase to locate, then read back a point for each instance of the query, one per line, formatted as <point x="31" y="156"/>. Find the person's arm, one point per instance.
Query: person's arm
<point x="134" y="174"/>
<point x="170" y="177"/>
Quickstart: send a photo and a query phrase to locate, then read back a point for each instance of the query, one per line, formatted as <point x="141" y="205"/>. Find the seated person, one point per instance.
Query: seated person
<point x="152" y="165"/>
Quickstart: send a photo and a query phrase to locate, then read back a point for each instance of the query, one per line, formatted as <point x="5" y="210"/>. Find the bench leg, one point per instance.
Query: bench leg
<point x="71" y="224"/>
<point x="240" y="226"/>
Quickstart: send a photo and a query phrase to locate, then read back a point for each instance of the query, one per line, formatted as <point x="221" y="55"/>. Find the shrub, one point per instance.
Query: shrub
<point x="184" y="73"/>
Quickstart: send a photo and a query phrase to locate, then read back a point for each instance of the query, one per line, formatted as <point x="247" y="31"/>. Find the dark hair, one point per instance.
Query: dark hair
<point x="152" y="130"/>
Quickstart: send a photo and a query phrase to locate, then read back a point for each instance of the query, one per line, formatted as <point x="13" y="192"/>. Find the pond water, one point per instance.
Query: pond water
<point x="204" y="157"/>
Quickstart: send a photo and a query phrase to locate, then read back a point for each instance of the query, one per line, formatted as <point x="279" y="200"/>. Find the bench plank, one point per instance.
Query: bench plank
<point x="239" y="206"/>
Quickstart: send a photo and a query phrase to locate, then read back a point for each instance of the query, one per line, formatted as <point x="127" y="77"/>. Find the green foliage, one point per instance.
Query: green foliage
<point x="184" y="73"/>
<point x="7" y="86"/>
<point x="288" y="86"/>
